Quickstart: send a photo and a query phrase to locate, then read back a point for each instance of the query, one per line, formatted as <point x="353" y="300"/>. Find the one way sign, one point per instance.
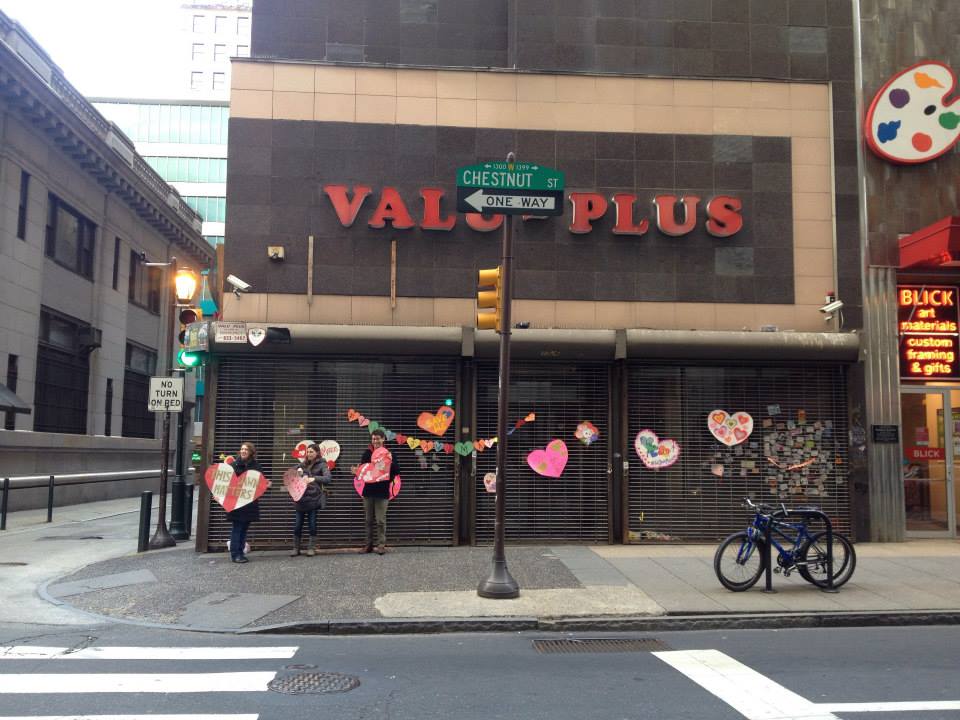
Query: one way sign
<point x="506" y="200"/>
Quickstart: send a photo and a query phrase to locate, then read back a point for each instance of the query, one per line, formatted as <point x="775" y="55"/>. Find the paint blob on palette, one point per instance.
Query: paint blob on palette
<point x="912" y="118"/>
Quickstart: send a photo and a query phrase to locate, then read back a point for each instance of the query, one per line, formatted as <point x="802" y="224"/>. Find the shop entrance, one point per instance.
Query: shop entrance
<point x="931" y="452"/>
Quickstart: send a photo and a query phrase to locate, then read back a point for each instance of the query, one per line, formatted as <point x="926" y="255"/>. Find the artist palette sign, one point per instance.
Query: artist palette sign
<point x="927" y="323"/>
<point x="632" y="214"/>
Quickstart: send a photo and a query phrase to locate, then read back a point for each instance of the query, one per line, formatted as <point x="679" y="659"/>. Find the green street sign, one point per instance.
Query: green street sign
<point x="502" y="175"/>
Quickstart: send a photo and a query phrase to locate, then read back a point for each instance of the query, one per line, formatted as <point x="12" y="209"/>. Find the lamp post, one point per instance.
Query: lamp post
<point x="185" y="285"/>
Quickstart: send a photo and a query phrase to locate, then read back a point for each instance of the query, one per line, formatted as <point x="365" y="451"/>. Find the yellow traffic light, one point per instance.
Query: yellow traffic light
<point x="489" y="297"/>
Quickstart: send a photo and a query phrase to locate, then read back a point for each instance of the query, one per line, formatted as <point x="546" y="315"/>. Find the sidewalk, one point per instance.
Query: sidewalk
<point x="83" y="568"/>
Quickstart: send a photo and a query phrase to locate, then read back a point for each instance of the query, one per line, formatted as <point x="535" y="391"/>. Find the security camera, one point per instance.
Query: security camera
<point x="831" y="307"/>
<point x="238" y="284"/>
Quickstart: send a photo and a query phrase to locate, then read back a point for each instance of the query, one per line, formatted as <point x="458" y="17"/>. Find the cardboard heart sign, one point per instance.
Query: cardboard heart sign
<point x="295" y="483"/>
<point x="654" y="452"/>
<point x="377" y="470"/>
<point x="730" y="429"/>
<point x="549" y="462"/>
<point x="234" y="491"/>
<point x="490" y="482"/>
<point x="256" y="336"/>
<point x="330" y="450"/>
<point x="436" y="424"/>
<point x="300" y="450"/>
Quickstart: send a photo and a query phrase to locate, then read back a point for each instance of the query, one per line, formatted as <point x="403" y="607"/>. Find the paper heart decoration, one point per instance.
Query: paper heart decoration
<point x="426" y="445"/>
<point x="448" y="448"/>
<point x="373" y="425"/>
<point x="909" y="120"/>
<point x="401" y="439"/>
<point x="300" y="450"/>
<point x="587" y="432"/>
<point x="363" y="421"/>
<point x="490" y="442"/>
<point x="352" y="415"/>
<point x="256" y="336"/>
<point x="436" y="424"/>
<point x="389" y="434"/>
<point x="295" y="483"/>
<point x="464" y="448"/>
<point x="730" y="429"/>
<point x="234" y="491"/>
<point x="490" y="482"/>
<point x="654" y="452"/>
<point x="549" y="462"/>
<point x="413" y="443"/>
<point x="330" y="450"/>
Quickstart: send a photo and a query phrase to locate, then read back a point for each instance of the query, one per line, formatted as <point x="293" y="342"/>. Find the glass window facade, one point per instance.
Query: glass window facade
<point x="196" y="124"/>
<point x="190" y="169"/>
<point x="211" y="209"/>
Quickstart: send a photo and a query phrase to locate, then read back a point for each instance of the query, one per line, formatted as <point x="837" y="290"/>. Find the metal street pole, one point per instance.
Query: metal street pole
<point x="178" y="528"/>
<point x="500" y="584"/>
<point x="162" y="538"/>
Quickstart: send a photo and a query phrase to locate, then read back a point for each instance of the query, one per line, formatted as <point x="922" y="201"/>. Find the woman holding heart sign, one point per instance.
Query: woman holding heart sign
<point x="315" y="472"/>
<point x="378" y="469"/>
<point x="241" y="518"/>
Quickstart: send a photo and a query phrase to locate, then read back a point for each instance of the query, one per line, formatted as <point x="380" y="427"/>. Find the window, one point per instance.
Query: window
<point x="70" y="238"/>
<point x="10" y="417"/>
<point x="221" y="24"/>
<point x="199" y="23"/>
<point x="196" y="81"/>
<point x="219" y="80"/>
<point x="116" y="262"/>
<point x="243" y="51"/>
<point x="108" y="409"/>
<point x="144" y="287"/>
<point x="197" y="51"/>
<point x="63" y="373"/>
<point x="141" y="363"/>
<point x="243" y="26"/>
<point x="219" y="53"/>
<point x="210" y="209"/>
<point x="22" y="208"/>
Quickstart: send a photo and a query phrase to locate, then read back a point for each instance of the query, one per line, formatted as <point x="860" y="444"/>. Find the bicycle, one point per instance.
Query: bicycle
<point x="740" y="559"/>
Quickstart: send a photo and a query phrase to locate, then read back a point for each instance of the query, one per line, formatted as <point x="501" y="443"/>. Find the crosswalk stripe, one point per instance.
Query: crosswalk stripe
<point x="905" y="706"/>
<point x="753" y="695"/>
<point x="191" y="716"/>
<point x="135" y="683"/>
<point x="31" y="652"/>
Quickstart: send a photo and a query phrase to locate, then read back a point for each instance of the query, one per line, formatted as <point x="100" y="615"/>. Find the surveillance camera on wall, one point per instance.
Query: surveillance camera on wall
<point x="831" y="307"/>
<point x="238" y="284"/>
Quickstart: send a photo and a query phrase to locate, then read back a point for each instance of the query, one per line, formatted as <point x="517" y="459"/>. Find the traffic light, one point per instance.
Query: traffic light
<point x="489" y="297"/>
<point x="189" y="356"/>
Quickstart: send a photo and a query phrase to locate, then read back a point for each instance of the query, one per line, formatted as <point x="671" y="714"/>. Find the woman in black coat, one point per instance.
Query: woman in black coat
<point x="317" y="474"/>
<point x="243" y="516"/>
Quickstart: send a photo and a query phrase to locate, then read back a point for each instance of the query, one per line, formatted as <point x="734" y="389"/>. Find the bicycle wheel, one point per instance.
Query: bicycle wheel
<point x="812" y="560"/>
<point x="738" y="562"/>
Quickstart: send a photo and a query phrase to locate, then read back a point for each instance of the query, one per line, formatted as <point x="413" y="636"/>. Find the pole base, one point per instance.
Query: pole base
<point x="161" y="539"/>
<point x="500" y="585"/>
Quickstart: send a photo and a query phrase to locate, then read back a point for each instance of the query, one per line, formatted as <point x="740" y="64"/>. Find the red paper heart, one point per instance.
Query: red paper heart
<point x="352" y="415"/>
<point x="448" y="448"/>
<point x="401" y="439"/>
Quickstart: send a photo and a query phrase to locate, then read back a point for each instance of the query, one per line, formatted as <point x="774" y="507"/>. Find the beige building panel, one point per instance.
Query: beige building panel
<point x="537" y="116"/>
<point x="332" y="107"/>
<point x="377" y="81"/>
<point x="577" y="88"/>
<point x="810" y="123"/>
<point x="810" y="319"/>
<point x="368" y="310"/>
<point x="256" y="104"/>
<point x="329" y="309"/>
<point x="575" y="117"/>
<point x="784" y="317"/>
<point x="293" y="105"/>
<point x="452" y="84"/>
<point x="694" y="120"/>
<point x="341" y="80"/>
<point x="287" y="308"/>
<point x="696" y="316"/>
<point x="417" y="111"/>
<point x="613" y="314"/>
<point x="657" y="316"/>
<point x="651" y="91"/>
<point x="768" y="123"/>
<point x="414" y="311"/>
<point x="614" y="118"/>
<point x="771" y="96"/>
<point x="812" y="290"/>
<point x="537" y="88"/>
<point x="732" y="121"/>
<point x="806" y="96"/>
<point x="454" y="312"/>
<point x="417" y="83"/>
<point x="810" y="178"/>
<point x="812" y="151"/>
<point x="251" y="307"/>
<point x="294" y="78"/>
<point x="497" y="114"/>
<point x="251" y="76"/>
<point x="692" y="93"/>
<point x="616" y="91"/>
<point x="653" y="119"/>
<point x="812" y="206"/>
<point x="456" y="112"/>
<point x="376" y="109"/>
<point x="813" y="234"/>
<point x="732" y="94"/>
<point x="734" y="316"/>
<point x="815" y="262"/>
<point x="539" y="313"/>
<point x="497" y="86"/>
<point x="576" y="314"/>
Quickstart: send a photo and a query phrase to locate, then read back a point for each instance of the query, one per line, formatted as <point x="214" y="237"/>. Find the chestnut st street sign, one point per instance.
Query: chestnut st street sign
<point x="510" y="188"/>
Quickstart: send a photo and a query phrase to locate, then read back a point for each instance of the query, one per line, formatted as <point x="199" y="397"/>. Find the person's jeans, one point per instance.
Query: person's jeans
<point x="375" y="511"/>
<point x="311" y="517"/>
<point x="238" y="537"/>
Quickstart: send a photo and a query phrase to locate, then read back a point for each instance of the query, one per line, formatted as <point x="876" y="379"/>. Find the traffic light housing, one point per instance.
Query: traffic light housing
<point x="187" y="358"/>
<point x="489" y="297"/>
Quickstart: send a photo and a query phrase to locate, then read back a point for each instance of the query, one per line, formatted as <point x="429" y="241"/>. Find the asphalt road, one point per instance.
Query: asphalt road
<point x="787" y="674"/>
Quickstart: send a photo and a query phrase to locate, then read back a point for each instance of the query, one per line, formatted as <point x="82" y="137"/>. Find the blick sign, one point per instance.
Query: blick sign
<point x="927" y="321"/>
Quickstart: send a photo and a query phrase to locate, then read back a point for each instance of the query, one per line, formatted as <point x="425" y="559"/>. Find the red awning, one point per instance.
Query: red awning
<point x="935" y="246"/>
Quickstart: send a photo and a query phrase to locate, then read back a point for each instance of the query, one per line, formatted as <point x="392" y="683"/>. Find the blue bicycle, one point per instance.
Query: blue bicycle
<point x="740" y="560"/>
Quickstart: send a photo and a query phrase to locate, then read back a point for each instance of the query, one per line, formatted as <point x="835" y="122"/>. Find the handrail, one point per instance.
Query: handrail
<point x="26" y="482"/>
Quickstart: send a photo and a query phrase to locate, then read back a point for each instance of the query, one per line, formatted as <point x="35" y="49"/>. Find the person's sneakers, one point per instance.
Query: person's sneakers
<point x="380" y="550"/>
<point x="366" y="549"/>
<point x="241" y="559"/>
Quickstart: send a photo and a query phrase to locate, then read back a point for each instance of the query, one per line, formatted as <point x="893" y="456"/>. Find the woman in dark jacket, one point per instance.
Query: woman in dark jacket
<point x="376" y="497"/>
<point x="314" y="469"/>
<point x="243" y="516"/>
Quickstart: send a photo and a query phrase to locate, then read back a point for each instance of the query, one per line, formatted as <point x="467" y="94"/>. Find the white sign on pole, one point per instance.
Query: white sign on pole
<point x="230" y="332"/>
<point x="166" y="394"/>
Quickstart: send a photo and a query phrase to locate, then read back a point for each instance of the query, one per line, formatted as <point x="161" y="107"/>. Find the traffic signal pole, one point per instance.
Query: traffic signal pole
<point x="501" y="584"/>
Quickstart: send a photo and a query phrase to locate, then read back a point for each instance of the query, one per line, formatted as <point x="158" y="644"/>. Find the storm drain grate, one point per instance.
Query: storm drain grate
<point x="599" y="645"/>
<point x="313" y="683"/>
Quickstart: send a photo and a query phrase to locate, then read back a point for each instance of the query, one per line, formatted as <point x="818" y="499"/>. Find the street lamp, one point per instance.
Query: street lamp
<point x="184" y="287"/>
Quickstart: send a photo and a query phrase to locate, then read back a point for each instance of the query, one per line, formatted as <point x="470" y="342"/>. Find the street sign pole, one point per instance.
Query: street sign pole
<point x="162" y="537"/>
<point x="501" y="584"/>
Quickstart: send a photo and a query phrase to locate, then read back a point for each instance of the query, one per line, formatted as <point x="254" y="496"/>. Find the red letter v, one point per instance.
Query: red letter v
<point x="346" y="209"/>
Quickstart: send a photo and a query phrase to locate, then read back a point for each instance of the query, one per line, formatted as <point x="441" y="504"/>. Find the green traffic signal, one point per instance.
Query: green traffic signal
<point x="188" y="359"/>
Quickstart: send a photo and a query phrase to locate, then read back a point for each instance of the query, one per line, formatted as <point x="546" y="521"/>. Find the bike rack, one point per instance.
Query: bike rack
<point x="768" y="558"/>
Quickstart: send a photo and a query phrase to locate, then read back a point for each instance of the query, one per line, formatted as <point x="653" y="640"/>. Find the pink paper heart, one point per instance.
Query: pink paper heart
<point x="654" y="452"/>
<point x="295" y="483"/>
<point x="549" y="462"/>
<point x="377" y="470"/>
<point x="730" y="428"/>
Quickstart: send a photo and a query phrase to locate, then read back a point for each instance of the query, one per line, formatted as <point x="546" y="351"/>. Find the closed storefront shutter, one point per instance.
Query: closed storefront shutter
<point x="276" y="402"/>
<point x="796" y="453"/>
<point x="576" y="505"/>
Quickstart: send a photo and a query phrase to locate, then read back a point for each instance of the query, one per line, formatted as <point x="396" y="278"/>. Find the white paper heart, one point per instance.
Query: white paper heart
<point x="654" y="452"/>
<point x="330" y="450"/>
<point x="256" y="336"/>
<point x="730" y="428"/>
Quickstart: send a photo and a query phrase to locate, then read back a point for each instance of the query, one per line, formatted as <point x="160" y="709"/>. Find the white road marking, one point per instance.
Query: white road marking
<point x="30" y="652"/>
<point x="47" y="684"/>
<point x="192" y="716"/>
<point x="753" y="695"/>
<point x="913" y="706"/>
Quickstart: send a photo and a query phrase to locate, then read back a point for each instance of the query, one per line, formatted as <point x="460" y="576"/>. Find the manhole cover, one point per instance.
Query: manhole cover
<point x="314" y="683"/>
<point x="599" y="645"/>
<point x="12" y="564"/>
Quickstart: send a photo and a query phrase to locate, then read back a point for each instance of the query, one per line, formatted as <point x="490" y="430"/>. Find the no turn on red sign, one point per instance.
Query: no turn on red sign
<point x="166" y="395"/>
